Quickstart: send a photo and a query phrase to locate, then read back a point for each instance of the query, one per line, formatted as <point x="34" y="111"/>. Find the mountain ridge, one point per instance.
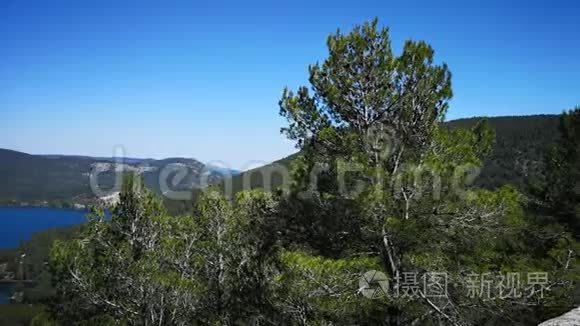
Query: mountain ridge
<point x="57" y="180"/>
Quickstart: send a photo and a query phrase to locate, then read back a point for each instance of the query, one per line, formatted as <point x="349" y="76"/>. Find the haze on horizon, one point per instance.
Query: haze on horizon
<point x="203" y="80"/>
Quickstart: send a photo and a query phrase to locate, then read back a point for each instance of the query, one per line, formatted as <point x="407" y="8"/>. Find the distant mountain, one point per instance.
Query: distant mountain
<point x="223" y="171"/>
<point x="520" y="145"/>
<point x="521" y="142"/>
<point x="128" y="160"/>
<point x="28" y="177"/>
<point x="59" y="179"/>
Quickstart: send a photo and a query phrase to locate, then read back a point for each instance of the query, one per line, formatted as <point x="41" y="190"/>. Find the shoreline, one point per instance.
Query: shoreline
<point x="74" y="207"/>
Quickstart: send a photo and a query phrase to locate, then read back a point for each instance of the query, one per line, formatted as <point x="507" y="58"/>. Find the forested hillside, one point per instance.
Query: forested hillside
<point x="517" y="156"/>
<point x="520" y="146"/>
<point x="28" y="177"/>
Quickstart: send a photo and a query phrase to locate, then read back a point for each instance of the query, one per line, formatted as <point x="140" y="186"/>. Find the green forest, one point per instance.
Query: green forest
<point x="388" y="215"/>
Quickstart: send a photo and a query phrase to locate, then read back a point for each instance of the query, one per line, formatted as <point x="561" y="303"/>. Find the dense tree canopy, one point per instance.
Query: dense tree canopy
<point x="562" y="189"/>
<point x="143" y="267"/>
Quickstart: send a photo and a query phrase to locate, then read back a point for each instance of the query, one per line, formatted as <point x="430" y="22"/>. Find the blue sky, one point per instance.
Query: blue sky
<point x="202" y="78"/>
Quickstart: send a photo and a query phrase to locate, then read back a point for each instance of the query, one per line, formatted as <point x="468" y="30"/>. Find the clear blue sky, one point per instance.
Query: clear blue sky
<point x="202" y="78"/>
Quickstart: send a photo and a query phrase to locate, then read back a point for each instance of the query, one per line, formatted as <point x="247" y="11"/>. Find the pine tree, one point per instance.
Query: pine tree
<point x="369" y="130"/>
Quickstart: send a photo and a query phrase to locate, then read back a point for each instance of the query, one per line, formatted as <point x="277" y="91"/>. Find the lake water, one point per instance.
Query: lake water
<point x="17" y="224"/>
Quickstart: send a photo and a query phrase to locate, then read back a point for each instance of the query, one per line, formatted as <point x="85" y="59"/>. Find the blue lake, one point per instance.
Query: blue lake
<point x="17" y="224"/>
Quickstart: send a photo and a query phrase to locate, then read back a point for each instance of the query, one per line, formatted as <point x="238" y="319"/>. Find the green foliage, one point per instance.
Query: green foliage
<point x="561" y="192"/>
<point x="317" y="290"/>
<point x="19" y="314"/>
<point x="143" y="266"/>
<point x="553" y="213"/>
